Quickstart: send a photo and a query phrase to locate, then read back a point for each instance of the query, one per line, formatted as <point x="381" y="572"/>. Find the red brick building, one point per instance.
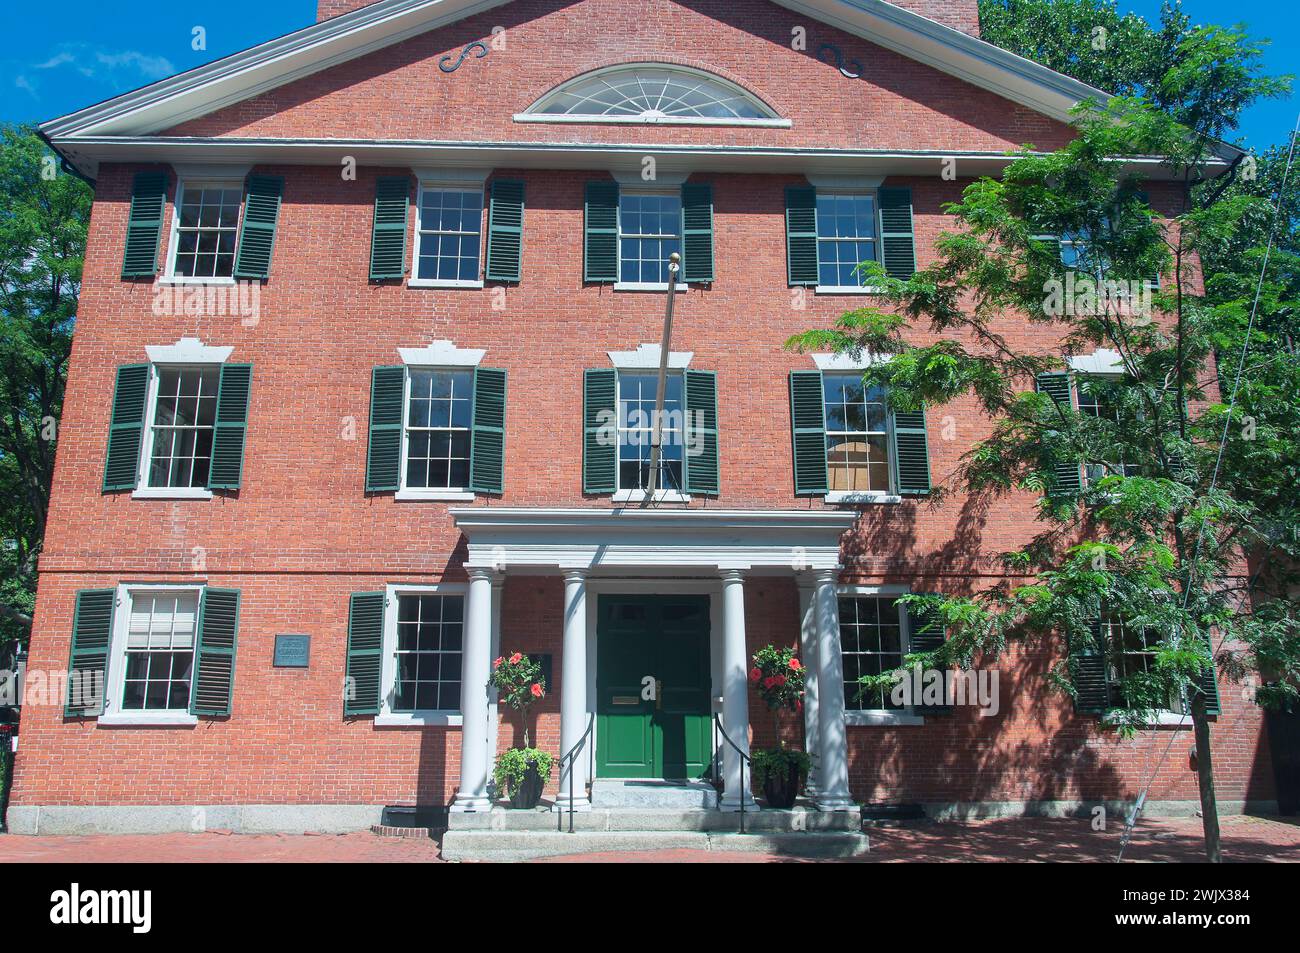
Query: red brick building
<point x="367" y="341"/>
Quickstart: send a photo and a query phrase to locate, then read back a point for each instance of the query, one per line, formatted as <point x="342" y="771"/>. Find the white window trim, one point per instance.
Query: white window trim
<point x="441" y="353"/>
<point x="142" y="489"/>
<point x="882" y="717"/>
<point x="668" y="187"/>
<point x="113" y="715"/>
<point x="455" y="494"/>
<point x="864" y="496"/>
<point x="631" y="495"/>
<point x="1163" y="719"/>
<point x="169" y="276"/>
<point x="448" y="181"/>
<point x="388" y="670"/>
<point x="854" y="188"/>
<point x="647" y="356"/>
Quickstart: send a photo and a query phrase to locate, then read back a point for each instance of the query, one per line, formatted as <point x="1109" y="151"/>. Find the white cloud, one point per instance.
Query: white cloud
<point x="151" y="67"/>
<point x="23" y="83"/>
<point x="58" y="59"/>
<point x="111" y="66"/>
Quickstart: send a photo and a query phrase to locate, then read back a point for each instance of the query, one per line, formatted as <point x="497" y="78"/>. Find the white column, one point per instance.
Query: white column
<point x="808" y="655"/>
<point x="573" y="692"/>
<point x="735" y="692"/>
<point x="833" y="776"/>
<point x="476" y="662"/>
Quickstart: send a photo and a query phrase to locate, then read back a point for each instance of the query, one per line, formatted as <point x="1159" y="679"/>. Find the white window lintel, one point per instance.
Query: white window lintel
<point x="1101" y="361"/>
<point x="646" y="357"/>
<point x="441" y="354"/>
<point x="452" y="177"/>
<point x="845" y="183"/>
<point x="832" y="363"/>
<point x="187" y="351"/>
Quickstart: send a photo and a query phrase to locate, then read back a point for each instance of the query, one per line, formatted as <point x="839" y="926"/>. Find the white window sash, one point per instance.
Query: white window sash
<point x="174" y="235"/>
<point x="115" y="682"/>
<point x="450" y="493"/>
<point x="415" y="281"/>
<point x="145" y="464"/>
<point x="388" y="671"/>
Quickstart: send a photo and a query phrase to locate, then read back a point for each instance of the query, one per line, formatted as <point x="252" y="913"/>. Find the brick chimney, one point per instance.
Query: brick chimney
<point x="959" y="14"/>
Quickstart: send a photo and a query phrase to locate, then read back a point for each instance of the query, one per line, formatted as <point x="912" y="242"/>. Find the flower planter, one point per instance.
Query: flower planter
<point x="782" y="788"/>
<point x="528" y="792"/>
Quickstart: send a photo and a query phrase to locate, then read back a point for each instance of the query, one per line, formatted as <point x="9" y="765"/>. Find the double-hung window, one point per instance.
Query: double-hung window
<point x="449" y="237"/>
<point x="439" y="412"/>
<point x="205" y="229"/>
<point x="427" y="652"/>
<point x="846" y="237"/>
<point x="873" y="640"/>
<point x="158" y="658"/>
<point x="649" y="230"/>
<point x="636" y="410"/>
<point x="1095" y="393"/>
<point x="857" y="435"/>
<point x="182" y="422"/>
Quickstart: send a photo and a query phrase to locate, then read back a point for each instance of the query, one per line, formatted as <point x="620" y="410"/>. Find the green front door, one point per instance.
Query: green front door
<point x="652" y="687"/>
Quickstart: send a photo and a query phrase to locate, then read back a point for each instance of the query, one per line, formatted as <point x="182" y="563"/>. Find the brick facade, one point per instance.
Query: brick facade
<point x="301" y="533"/>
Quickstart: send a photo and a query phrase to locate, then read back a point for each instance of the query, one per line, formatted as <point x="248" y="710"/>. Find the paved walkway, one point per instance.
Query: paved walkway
<point x="1244" y="839"/>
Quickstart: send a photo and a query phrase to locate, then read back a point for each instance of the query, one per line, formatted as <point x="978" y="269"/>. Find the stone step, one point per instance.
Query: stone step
<point x="658" y="819"/>
<point x="681" y="795"/>
<point x="496" y="845"/>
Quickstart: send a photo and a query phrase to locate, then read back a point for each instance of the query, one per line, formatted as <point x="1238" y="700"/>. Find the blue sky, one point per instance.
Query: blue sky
<point x="60" y="55"/>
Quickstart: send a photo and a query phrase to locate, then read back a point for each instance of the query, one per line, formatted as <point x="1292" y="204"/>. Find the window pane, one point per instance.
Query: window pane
<point x="871" y="643"/>
<point x="183" y="426"/>
<point x="428" y="659"/>
<point x="451" y="222"/>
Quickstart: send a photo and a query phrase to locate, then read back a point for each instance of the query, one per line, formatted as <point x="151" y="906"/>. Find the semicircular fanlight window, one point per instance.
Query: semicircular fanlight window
<point x="652" y="92"/>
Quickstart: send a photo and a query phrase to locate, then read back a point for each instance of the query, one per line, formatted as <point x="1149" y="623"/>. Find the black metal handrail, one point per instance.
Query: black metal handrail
<point x="744" y="759"/>
<point x="569" y="756"/>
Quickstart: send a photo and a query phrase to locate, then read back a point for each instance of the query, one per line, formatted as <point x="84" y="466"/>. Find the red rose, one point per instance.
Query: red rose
<point x="779" y="679"/>
<point x="769" y="682"/>
<point x="755" y="674"/>
<point x="516" y="658"/>
<point x="795" y="665"/>
<point x="537" y="691"/>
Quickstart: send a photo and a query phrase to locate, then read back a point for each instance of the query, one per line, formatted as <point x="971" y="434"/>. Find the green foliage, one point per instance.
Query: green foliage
<point x="778" y="677"/>
<point x="42" y="247"/>
<point x="776" y="762"/>
<point x="512" y="764"/>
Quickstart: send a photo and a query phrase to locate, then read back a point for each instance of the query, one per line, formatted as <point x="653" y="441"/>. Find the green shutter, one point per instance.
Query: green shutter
<point x="214" y="652"/>
<point x="92" y="633"/>
<point x="697" y="233"/>
<point x="808" y="420"/>
<point x="897" y="242"/>
<point x="126" y="428"/>
<point x="144" y="225"/>
<point x="926" y="633"/>
<point x="801" y="235"/>
<point x="600" y="241"/>
<point x="599" y="413"/>
<point x="262" y="195"/>
<point x="1207" y="683"/>
<point x="388" y="238"/>
<point x="365" y="653"/>
<point x="488" y="436"/>
<point x="384" y="454"/>
<point x="227" y="468"/>
<point x="1090" y="673"/>
<point x="1066" y="475"/>
<point x="911" y="452"/>
<point x="701" y="389"/>
<point x="505" y="249"/>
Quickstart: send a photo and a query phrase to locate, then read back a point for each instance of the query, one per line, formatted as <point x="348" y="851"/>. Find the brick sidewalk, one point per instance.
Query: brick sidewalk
<point x="1244" y="839"/>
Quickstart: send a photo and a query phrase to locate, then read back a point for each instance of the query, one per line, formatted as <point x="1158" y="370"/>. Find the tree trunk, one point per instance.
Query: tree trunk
<point x="1205" y="779"/>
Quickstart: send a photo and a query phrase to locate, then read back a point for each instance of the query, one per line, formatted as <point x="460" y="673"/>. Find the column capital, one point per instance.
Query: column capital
<point x="826" y="577"/>
<point x="576" y="575"/>
<point x="732" y="575"/>
<point x="480" y="573"/>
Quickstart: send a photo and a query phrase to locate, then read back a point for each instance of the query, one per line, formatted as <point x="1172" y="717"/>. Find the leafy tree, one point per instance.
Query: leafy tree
<point x="1151" y="543"/>
<point x="43" y="218"/>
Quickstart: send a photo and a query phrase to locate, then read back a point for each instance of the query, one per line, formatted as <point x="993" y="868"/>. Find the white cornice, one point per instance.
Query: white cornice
<point x="675" y="159"/>
<point x="662" y="540"/>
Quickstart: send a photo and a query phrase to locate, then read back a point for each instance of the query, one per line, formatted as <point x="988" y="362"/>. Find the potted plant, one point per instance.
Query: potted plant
<point x="778" y="676"/>
<point x="521" y="772"/>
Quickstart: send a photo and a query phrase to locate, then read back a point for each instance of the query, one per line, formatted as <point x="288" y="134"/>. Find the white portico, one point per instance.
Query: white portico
<point x="618" y="552"/>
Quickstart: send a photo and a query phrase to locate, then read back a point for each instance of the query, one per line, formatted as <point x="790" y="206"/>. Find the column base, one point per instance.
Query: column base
<point x="581" y="804"/>
<point x="732" y="805"/>
<point x="829" y="803"/>
<point x="470" y="805"/>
